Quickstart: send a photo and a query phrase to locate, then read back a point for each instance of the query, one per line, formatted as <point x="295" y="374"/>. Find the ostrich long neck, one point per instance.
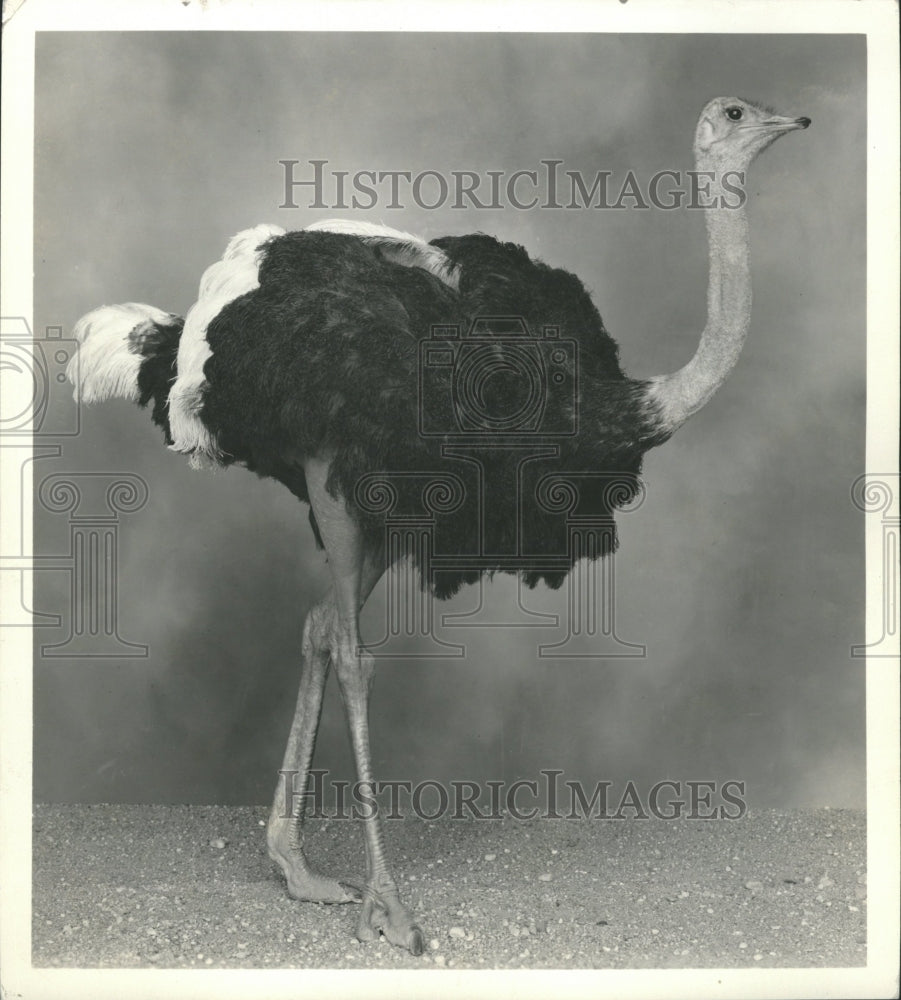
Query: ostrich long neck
<point x="683" y="393"/>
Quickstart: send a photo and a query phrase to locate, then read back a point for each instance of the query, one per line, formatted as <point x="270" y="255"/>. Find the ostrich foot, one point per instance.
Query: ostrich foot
<point x="303" y="881"/>
<point x="383" y="912"/>
<point x="308" y="885"/>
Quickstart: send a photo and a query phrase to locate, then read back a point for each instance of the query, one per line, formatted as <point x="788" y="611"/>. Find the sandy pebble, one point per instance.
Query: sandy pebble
<point x="255" y="923"/>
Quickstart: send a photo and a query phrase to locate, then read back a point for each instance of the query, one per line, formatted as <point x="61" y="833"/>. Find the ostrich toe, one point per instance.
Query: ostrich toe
<point x="383" y="912"/>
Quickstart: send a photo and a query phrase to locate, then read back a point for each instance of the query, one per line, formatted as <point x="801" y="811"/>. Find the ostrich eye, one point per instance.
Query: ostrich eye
<point x="734" y="113"/>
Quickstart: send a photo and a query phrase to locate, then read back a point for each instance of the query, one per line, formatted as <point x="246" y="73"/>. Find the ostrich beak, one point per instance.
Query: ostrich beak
<point x="784" y="124"/>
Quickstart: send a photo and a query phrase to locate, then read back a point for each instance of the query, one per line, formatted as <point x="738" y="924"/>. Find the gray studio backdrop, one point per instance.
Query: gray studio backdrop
<point x="742" y="572"/>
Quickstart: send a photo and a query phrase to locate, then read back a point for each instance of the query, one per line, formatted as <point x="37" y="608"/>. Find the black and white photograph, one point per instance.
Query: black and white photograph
<point x="450" y="499"/>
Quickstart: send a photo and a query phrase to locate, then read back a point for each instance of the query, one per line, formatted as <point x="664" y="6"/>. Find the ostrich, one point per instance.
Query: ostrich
<point x="300" y="361"/>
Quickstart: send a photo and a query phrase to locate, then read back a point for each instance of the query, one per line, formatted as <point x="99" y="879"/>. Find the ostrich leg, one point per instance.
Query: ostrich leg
<point x="285" y="828"/>
<point x="285" y="833"/>
<point x="382" y="909"/>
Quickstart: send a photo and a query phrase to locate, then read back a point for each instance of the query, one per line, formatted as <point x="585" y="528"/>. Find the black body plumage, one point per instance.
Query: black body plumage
<point x="157" y="344"/>
<point x="327" y="357"/>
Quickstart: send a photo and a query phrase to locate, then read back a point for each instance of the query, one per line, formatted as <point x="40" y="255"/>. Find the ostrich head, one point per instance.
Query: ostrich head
<point x="732" y="131"/>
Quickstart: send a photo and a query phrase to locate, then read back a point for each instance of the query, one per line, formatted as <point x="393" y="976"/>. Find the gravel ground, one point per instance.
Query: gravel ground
<point x="160" y="886"/>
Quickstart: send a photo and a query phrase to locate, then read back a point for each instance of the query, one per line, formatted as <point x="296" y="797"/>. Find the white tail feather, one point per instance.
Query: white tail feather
<point x="106" y="365"/>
